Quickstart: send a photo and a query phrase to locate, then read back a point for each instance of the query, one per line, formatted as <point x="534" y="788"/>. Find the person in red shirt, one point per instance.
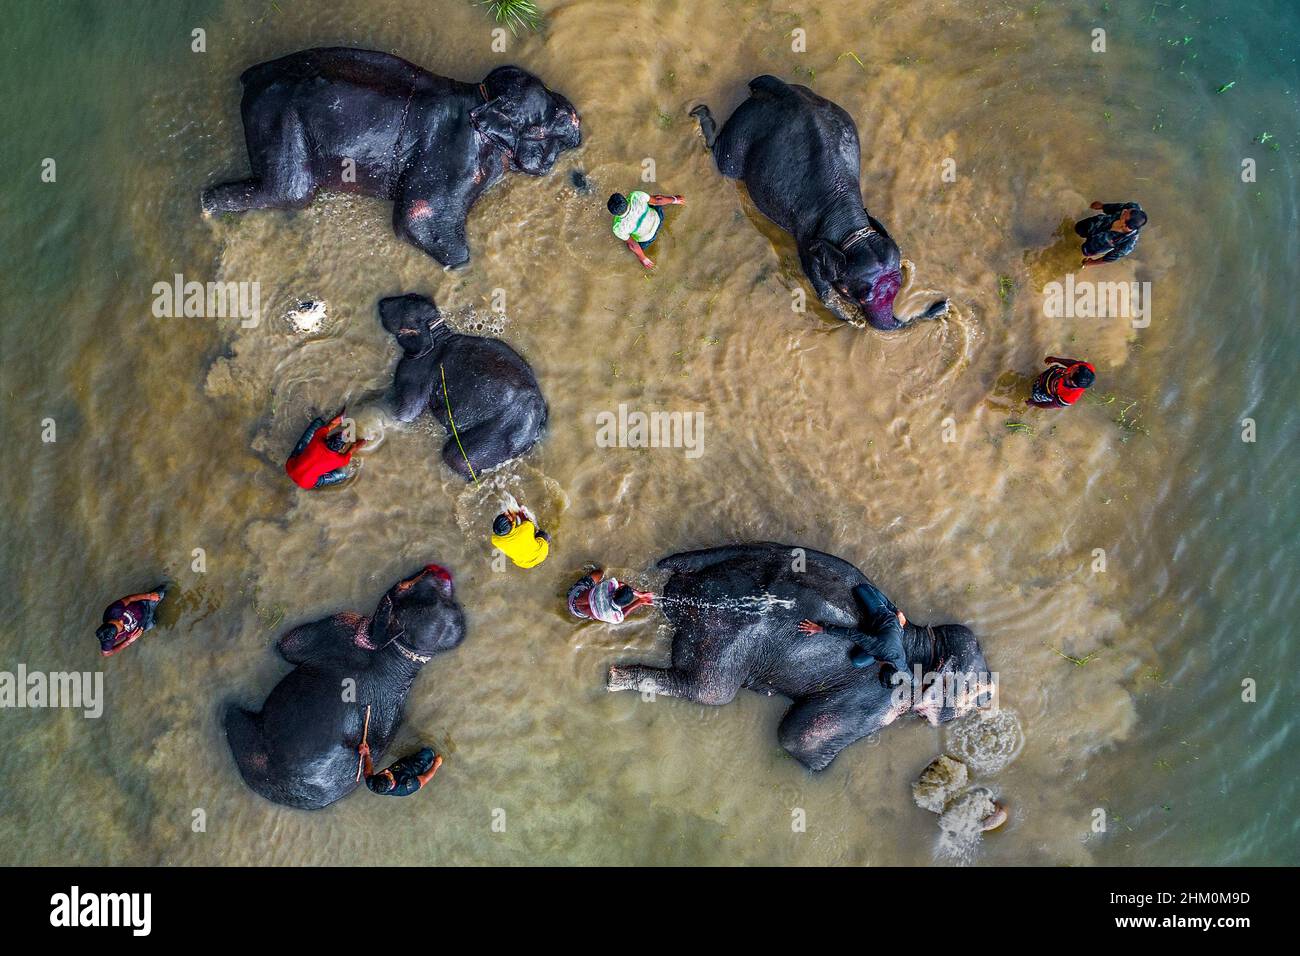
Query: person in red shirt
<point x="322" y="454"/>
<point x="1062" y="382"/>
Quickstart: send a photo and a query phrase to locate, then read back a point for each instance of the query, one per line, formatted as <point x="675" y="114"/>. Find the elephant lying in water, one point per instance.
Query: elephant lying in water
<point x="494" y="397"/>
<point x="735" y="613"/>
<point x="798" y="155"/>
<point x="372" y="123"/>
<point x="301" y="748"/>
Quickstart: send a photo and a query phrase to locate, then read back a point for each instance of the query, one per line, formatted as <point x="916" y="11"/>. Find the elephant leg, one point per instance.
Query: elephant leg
<point x="285" y="182"/>
<point x="715" y="691"/>
<point x="708" y="126"/>
<point x="478" y="443"/>
<point x="815" y="729"/>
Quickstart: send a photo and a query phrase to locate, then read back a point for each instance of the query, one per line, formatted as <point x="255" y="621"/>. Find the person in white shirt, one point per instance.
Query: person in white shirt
<point x="637" y="218"/>
<point x="599" y="598"/>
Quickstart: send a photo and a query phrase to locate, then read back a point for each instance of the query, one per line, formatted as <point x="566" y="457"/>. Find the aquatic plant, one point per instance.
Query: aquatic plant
<point x="1006" y="286"/>
<point x="1130" y="423"/>
<point x="515" y="14"/>
<point x="1076" y="661"/>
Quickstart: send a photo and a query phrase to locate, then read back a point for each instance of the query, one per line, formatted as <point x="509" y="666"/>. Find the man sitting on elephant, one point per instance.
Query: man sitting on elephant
<point x="879" y="637"/>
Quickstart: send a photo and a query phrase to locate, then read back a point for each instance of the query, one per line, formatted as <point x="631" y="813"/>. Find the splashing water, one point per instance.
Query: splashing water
<point x="962" y="824"/>
<point x="749" y="604"/>
<point x="987" y="742"/>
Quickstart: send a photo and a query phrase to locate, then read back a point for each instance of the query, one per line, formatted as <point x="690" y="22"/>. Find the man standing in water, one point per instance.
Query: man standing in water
<point x="599" y="598"/>
<point x="637" y="218"/>
<point x="322" y="454"/>
<point x="879" y="636"/>
<point x="1062" y="383"/>
<point x="126" y="620"/>
<point x="1112" y="235"/>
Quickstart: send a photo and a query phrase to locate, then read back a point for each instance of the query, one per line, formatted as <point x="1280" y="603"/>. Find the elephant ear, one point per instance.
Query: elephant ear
<point x="342" y="640"/>
<point x="830" y="260"/>
<point x="500" y="121"/>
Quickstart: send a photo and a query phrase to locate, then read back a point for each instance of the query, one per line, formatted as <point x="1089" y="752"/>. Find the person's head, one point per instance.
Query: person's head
<point x="336" y="442"/>
<point x="501" y="525"/>
<point x="1080" y="377"/>
<point x="106" y="632"/>
<point x="1131" y="220"/>
<point x="623" y="596"/>
<point x="617" y="204"/>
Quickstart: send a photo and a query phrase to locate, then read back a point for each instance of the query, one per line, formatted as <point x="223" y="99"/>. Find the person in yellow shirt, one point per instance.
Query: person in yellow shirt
<point x="516" y="535"/>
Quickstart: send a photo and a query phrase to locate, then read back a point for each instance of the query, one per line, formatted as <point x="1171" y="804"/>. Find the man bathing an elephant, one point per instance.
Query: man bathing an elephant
<point x="735" y="613"/>
<point x="404" y="777"/>
<point x="597" y="597"/>
<point x="372" y="123"/>
<point x="322" y="455"/>
<point x="798" y="155"/>
<point x="879" y="636"/>
<point x="303" y="748"/>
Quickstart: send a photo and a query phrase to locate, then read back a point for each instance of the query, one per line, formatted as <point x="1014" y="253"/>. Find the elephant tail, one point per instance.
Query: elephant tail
<point x="244" y="734"/>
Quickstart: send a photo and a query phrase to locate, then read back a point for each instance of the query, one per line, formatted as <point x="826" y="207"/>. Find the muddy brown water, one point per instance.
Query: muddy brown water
<point x="171" y="434"/>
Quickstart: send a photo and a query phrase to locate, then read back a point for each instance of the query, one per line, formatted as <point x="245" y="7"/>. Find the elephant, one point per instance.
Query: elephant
<point x="735" y="611"/>
<point x="798" y="155"/>
<point x="300" y="750"/>
<point x="372" y="123"/>
<point x="481" y="384"/>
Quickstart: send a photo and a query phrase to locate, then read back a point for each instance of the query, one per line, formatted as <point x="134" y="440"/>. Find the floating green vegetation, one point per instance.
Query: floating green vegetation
<point x="1076" y="661"/>
<point x="1226" y="86"/>
<point x="515" y="14"/>
<point x="1022" y="427"/>
<point x="1267" y="139"/>
<point x="665" y="119"/>
<point x="1129" y="422"/>
<point x="1006" y="288"/>
<point x="854" y="57"/>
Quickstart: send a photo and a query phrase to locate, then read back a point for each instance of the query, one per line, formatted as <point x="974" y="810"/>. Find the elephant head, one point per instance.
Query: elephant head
<point x="531" y="123"/>
<point x="866" y="268"/>
<point x="420" y="612"/>
<point x="413" y="319"/>
<point x="952" y="651"/>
